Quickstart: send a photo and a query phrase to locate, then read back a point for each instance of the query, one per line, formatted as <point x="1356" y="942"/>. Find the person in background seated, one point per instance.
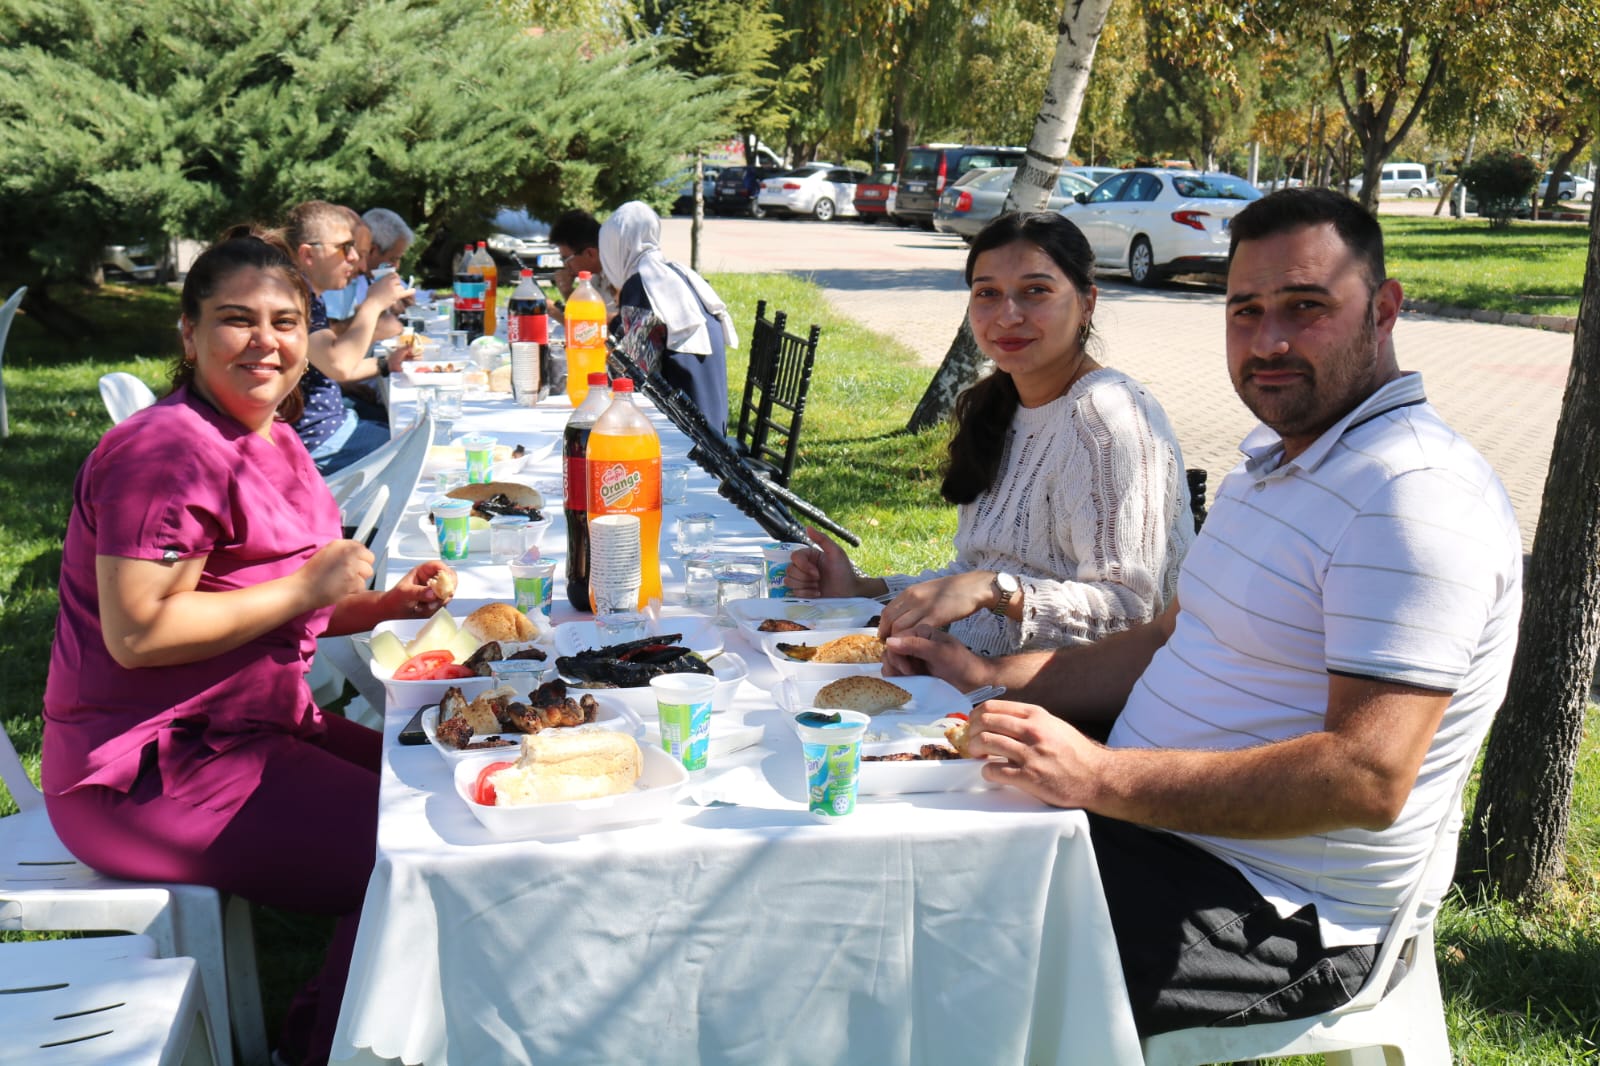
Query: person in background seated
<point x="686" y="325"/>
<point x="576" y="236"/>
<point x="1289" y="739"/>
<point x="202" y="561"/>
<point x="382" y="240"/>
<point x="1074" y="510"/>
<point x="323" y="242"/>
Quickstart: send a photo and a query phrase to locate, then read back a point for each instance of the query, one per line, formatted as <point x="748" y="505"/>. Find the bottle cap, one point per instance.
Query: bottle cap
<point x="482" y="244"/>
<point x="622" y="385"/>
<point x="526" y="273"/>
<point x="600" y="379"/>
<point x="583" y="275"/>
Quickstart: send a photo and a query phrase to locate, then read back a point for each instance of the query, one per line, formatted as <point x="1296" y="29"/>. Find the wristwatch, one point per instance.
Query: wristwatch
<point x="1006" y="587"/>
<point x="383" y="366"/>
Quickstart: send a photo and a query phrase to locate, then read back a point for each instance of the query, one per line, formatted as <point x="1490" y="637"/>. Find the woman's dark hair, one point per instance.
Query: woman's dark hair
<point x="243" y="247"/>
<point x="984" y="411"/>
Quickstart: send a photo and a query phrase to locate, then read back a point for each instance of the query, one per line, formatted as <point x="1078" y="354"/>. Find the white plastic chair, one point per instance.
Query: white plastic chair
<point x="8" y="311"/>
<point x="1403" y="1028"/>
<point x="44" y="888"/>
<point x="124" y="394"/>
<point x="100" y="1000"/>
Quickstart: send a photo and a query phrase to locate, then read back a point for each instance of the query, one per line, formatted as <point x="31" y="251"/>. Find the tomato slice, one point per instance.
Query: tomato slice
<point x="450" y="672"/>
<point x="482" y="789"/>
<point x="959" y="714"/>
<point x="420" y="667"/>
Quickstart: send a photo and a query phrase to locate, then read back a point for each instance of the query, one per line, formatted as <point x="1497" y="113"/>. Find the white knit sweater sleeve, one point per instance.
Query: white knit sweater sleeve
<point x="1090" y="510"/>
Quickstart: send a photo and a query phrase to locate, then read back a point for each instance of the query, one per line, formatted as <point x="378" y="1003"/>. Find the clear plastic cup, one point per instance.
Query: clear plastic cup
<point x="505" y="537"/>
<point x="674" y="482"/>
<point x="700" y="580"/>
<point x="447" y="402"/>
<point x="613" y="625"/>
<point x="832" y="751"/>
<point x="684" y="704"/>
<point x="696" y="532"/>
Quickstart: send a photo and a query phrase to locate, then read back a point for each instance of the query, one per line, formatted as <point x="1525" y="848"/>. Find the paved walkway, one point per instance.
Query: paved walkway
<point x="1500" y="386"/>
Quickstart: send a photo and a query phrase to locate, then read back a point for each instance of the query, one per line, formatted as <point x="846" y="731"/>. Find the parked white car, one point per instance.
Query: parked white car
<point x="824" y="193"/>
<point x="1152" y="223"/>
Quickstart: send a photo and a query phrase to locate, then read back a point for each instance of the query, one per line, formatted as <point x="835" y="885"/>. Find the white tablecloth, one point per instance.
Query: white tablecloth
<point x="931" y="928"/>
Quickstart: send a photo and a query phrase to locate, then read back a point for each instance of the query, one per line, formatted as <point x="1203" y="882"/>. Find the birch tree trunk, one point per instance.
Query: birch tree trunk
<point x="1517" y="842"/>
<point x="1077" y="35"/>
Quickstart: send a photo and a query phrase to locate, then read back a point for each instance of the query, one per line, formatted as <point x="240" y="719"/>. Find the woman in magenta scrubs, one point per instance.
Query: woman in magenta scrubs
<point x="202" y="561"/>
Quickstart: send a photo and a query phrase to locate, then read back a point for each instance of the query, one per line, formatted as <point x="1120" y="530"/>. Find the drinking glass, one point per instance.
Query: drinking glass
<point x="447" y="402"/>
<point x="458" y="345"/>
<point x="696" y="532"/>
<point x="674" y="482"/>
<point x="699" y="579"/>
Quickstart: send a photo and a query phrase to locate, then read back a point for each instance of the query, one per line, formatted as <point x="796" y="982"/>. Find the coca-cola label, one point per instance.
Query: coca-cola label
<point x="535" y="329"/>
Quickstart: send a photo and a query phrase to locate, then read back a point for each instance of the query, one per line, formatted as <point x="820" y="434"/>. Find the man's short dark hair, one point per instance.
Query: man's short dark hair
<point x="1292" y="209"/>
<point x="577" y="229"/>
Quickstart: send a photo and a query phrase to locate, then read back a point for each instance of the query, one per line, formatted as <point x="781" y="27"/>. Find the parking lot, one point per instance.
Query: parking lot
<point x="1500" y="386"/>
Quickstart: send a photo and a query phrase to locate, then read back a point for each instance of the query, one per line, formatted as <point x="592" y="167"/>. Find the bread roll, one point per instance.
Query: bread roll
<point x="519" y="494"/>
<point x="850" y="648"/>
<point x="558" y="767"/>
<point x="443" y="585"/>
<point x="499" y="621"/>
<point x="869" y="695"/>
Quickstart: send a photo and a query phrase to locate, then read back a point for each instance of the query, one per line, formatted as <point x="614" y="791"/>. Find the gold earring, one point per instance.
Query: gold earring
<point x="1083" y="334"/>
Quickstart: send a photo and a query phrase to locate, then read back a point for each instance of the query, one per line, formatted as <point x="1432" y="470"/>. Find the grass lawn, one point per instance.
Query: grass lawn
<point x="1521" y="986"/>
<point x="1533" y="268"/>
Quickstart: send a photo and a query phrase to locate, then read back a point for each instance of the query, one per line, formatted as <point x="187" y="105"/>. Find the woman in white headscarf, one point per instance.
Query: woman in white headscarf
<point x="669" y="315"/>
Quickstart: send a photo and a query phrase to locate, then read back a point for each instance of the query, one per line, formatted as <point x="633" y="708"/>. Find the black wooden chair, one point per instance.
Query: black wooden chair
<point x="1197" y="495"/>
<point x="757" y="375"/>
<point x="775" y="438"/>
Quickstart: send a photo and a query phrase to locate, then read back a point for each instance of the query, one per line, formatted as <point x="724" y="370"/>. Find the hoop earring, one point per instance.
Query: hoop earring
<point x="1083" y="334"/>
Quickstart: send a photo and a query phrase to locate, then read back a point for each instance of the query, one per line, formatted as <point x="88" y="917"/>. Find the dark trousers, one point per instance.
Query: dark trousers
<point x="1200" y="946"/>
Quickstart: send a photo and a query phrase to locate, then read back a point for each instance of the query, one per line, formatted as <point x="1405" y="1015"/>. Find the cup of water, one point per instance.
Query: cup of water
<point x="700" y="579"/>
<point x="674" y="482"/>
<point x="696" y="532"/>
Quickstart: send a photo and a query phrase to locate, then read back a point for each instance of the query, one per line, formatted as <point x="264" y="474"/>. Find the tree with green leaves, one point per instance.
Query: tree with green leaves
<point x="1190" y="102"/>
<point x="200" y="116"/>
<point x="1077" y="35"/>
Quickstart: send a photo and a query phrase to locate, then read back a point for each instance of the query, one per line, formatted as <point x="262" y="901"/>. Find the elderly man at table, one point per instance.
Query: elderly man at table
<point x="323" y="242"/>
<point x="382" y="239"/>
<point x="1284" y="745"/>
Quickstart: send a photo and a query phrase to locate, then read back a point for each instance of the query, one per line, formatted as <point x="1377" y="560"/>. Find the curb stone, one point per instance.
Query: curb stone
<point x="1555" y="323"/>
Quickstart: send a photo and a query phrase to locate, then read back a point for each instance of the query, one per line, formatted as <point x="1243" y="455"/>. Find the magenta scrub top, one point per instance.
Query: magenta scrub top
<point x="176" y="480"/>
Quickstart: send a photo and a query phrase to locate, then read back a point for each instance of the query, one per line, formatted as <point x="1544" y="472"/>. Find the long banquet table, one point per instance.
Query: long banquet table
<point x="925" y="928"/>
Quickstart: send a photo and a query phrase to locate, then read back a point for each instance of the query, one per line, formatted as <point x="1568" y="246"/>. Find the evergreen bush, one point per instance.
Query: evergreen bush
<point x="1500" y="181"/>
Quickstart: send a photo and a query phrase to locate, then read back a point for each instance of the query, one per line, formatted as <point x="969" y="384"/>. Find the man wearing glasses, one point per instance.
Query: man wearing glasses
<point x="576" y="235"/>
<point x="322" y="239"/>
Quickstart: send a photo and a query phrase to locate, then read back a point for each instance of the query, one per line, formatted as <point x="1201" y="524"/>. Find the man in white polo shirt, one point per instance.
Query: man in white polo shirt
<point x="1286" y="738"/>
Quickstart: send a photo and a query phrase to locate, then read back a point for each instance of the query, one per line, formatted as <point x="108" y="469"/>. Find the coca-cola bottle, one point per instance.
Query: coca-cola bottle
<point x="575" y="486"/>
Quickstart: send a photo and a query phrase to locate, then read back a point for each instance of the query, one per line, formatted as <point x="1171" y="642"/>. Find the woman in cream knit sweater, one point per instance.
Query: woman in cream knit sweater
<point x="1074" y="511"/>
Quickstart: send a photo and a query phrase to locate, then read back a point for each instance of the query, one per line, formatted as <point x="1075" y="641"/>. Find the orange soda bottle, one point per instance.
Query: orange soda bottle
<point x="483" y="263"/>
<point x="624" y="460"/>
<point x="586" y="339"/>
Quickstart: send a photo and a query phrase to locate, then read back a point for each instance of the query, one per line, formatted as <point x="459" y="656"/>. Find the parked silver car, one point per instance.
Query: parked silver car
<point x="968" y="205"/>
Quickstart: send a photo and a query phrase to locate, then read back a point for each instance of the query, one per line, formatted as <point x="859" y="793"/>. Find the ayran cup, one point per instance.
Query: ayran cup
<point x="533" y="583"/>
<point x="777" y="557"/>
<point x="479" y="449"/>
<point x="684" y="703"/>
<point x="831" y="744"/>
<point x="453" y="522"/>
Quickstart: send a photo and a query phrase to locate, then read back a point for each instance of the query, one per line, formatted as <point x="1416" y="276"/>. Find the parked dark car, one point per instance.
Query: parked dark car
<point x="735" y="191"/>
<point x="872" y="196"/>
<point x="928" y="169"/>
